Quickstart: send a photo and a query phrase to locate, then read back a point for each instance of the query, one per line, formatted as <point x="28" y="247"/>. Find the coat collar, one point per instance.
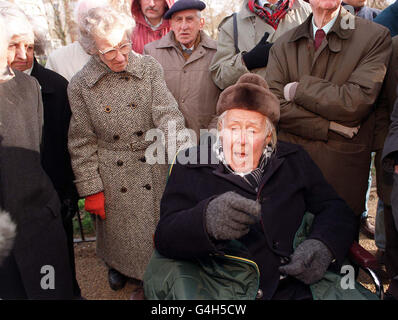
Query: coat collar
<point x="246" y="13"/>
<point x="304" y="30"/>
<point x="168" y="41"/>
<point x="37" y="72"/>
<point x="95" y="69"/>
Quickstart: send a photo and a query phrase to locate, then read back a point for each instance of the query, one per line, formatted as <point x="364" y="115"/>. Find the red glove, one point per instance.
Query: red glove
<point x="95" y="204"/>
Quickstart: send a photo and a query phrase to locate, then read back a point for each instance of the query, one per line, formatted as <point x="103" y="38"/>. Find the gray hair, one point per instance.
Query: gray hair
<point x="100" y="22"/>
<point x="15" y="20"/>
<point x="40" y="34"/>
<point x="269" y="128"/>
<point x="83" y="6"/>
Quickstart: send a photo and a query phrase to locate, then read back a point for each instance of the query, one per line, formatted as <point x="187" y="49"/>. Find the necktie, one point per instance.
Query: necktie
<point x="319" y="36"/>
<point x="187" y="51"/>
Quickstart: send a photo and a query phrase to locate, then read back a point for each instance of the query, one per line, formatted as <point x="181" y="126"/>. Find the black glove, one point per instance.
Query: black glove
<point x="229" y="216"/>
<point x="309" y="261"/>
<point x="258" y="56"/>
<point x="69" y="208"/>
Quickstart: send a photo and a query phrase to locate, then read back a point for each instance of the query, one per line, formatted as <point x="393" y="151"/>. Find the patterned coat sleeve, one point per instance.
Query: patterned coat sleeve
<point x="82" y="143"/>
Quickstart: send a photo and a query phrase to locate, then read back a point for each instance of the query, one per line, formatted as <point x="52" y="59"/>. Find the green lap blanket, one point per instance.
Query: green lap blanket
<point x="231" y="277"/>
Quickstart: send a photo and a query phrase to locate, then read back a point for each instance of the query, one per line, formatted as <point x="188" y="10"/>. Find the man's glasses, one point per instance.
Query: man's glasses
<point x="111" y="53"/>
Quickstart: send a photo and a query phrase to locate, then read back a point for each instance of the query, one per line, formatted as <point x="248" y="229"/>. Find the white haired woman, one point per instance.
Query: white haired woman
<point x="115" y="99"/>
<point x="38" y="266"/>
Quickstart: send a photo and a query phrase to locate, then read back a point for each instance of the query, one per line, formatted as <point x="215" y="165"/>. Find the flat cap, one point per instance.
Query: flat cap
<point x="181" y="5"/>
<point x="251" y="92"/>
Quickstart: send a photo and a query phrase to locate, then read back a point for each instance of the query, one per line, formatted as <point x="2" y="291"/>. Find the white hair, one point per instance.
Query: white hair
<point x="100" y="22"/>
<point x="3" y="41"/>
<point x="15" y="20"/>
<point x="40" y="34"/>
<point x="83" y="6"/>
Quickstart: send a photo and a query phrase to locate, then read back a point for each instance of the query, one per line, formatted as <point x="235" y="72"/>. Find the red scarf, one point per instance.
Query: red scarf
<point x="277" y="15"/>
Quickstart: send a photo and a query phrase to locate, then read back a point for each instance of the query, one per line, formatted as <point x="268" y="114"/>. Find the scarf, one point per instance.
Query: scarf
<point x="282" y="7"/>
<point x="254" y="177"/>
<point x="187" y="53"/>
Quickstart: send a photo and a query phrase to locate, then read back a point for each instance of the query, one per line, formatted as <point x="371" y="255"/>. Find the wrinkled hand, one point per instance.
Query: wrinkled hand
<point x="95" y="204"/>
<point x="309" y="261"/>
<point x="258" y="56"/>
<point x="289" y="91"/>
<point x="229" y="216"/>
<point x="346" y="132"/>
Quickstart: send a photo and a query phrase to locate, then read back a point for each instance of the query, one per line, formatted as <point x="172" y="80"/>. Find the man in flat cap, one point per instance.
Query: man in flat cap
<point x="185" y="55"/>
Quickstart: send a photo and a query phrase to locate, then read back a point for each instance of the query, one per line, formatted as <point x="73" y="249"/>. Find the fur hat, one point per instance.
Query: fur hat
<point x="251" y="92"/>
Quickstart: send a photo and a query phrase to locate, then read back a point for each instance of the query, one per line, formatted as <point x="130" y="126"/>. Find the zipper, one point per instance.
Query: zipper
<point x="250" y="262"/>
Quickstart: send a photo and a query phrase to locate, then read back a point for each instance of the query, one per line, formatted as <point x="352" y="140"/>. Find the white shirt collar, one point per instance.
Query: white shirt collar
<point x="262" y="2"/>
<point x="326" y="28"/>
<point x="29" y="71"/>
<point x="185" y="48"/>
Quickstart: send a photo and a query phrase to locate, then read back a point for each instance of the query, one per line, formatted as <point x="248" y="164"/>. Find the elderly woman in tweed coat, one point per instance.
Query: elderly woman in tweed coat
<point x="115" y="100"/>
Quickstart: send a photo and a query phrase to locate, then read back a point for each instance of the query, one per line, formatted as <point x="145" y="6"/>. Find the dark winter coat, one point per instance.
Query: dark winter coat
<point x="55" y="158"/>
<point x="389" y="18"/>
<point x="54" y="154"/>
<point x="28" y="195"/>
<point x="292" y="184"/>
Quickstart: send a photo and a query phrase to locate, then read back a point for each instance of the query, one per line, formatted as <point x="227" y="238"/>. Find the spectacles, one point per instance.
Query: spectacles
<point x="111" y="53"/>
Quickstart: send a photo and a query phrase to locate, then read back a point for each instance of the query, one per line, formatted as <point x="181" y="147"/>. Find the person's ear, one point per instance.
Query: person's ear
<point x="202" y="23"/>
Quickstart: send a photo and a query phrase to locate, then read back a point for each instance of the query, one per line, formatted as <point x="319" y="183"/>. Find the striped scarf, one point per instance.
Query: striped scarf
<point x="254" y="177"/>
<point x="282" y="7"/>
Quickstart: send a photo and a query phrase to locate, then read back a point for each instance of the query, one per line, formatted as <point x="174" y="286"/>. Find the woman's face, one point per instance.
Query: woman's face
<point x="115" y="50"/>
<point x="244" y="137"/>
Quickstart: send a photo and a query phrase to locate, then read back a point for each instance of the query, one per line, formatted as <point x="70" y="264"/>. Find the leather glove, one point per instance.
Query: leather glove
<point x="309" y="261"/>
<point x="95" y="204"/>
<point x="258" y="56"/>
<point x="229" y="216"/>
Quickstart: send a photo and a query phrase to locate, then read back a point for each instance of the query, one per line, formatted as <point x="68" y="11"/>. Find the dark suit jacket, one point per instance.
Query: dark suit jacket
<point x="55" y="156"/>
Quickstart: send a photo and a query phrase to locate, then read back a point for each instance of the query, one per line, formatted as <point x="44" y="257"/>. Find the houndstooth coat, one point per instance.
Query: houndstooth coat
<point x="111" y="113"/>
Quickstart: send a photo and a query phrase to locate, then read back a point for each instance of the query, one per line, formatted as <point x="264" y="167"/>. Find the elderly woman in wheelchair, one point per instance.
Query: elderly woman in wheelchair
<point x="235" y="222"/>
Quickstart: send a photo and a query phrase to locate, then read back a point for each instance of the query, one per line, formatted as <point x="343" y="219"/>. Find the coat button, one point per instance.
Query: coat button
<point x="148" y="187"/>
<point x="285" y="260"/>
<point x="143" y="159"/>
<point x="260" y="294"/>
<point x="116" y="137"/>
<point x="123" y="190"/>
<point x="139" y="133"/>
<point x="119" y="163"/>
<point x="275" y="245"/>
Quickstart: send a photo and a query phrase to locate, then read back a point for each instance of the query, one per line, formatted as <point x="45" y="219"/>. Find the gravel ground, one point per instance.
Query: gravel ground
<point x="93" y="278"/>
